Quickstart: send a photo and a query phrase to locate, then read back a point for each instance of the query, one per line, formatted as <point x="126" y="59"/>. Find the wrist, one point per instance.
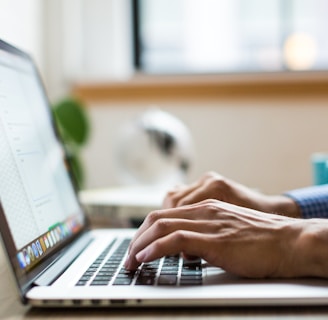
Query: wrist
<point x="310" y="249"/>
<point x="284" y="206"/>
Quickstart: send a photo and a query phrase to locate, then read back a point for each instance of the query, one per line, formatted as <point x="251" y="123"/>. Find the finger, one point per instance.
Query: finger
<point x="189" y="242"/>
<point x="164" y="227"/>
<point x="190" y="194"/>
<point x="189" y="212"/>
<point x="174" y="196"/>
<point x="199" y="194"/>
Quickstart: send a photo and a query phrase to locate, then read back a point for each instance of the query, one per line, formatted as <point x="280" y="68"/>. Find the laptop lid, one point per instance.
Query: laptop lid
<point x="39" y="210"/>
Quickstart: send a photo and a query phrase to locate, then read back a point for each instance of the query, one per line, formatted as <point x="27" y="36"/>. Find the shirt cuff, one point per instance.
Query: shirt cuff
<point x="313" y="201"/>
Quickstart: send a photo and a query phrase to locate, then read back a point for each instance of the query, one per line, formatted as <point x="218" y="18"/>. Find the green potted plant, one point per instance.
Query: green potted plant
<point x="73" y="125"/>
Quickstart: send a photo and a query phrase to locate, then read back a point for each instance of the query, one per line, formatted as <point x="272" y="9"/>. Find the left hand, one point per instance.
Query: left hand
<point x="212" y="185"/>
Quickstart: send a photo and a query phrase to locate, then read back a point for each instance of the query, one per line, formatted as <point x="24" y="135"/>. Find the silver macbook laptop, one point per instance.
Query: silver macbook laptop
<point x="57" y="261"/>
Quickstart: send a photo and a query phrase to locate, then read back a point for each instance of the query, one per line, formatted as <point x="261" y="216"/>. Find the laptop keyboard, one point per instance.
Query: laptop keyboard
<point x="170" y="271"/>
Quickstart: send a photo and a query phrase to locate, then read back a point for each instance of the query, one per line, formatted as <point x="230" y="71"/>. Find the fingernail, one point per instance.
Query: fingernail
<point x="127" y="262"/>
<point x="140" y="256"/>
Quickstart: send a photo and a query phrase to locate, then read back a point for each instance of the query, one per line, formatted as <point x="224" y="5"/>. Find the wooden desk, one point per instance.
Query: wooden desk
<point x="11" y="308"/>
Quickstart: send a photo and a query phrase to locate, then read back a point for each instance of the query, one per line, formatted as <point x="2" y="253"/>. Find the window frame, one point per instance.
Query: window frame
<point x="153" y="88"/>
<point x="136" y="52"/>
<point x="136" y="34"/>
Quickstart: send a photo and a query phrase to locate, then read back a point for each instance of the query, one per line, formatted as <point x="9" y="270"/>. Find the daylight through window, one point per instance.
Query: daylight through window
<point x="224" y="36"/>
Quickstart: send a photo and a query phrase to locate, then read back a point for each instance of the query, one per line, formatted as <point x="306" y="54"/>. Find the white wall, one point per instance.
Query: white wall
<point x="21" y="25"/>
<point x="265" y="144"/>
<point x="86" y="40"/>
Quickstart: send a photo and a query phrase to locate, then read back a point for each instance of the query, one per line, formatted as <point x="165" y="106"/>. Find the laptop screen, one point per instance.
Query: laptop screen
<point x="38" y="202"/>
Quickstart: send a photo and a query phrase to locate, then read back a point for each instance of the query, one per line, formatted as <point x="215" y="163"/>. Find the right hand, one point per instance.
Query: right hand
<point x="242" y="241"/>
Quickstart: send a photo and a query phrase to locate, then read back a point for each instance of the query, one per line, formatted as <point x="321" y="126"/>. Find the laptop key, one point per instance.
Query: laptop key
<point x="122" y="281"/>
<point x="105" y="274"/>
<point x="190" y="282"/>
<point x="98" y="283"/>
<point x="145" y="281"/>
<point x="167" y="280"/>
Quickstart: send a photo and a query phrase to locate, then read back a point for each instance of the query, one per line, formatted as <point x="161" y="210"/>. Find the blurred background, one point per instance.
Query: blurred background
<point x="248" y="78"/>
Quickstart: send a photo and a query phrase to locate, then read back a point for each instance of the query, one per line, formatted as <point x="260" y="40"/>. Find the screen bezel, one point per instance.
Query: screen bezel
<point x="25" y="279"/>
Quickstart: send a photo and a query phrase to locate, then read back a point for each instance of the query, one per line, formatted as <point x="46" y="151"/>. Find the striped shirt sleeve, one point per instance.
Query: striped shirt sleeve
<point x="313" y="201"/>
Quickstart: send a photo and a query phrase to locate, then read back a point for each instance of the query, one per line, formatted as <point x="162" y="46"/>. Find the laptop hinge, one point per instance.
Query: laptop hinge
<point x="60" y="265"/>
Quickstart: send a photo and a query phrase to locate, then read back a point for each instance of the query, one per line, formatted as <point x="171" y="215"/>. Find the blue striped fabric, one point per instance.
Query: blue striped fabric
<point x="313" y="201"/>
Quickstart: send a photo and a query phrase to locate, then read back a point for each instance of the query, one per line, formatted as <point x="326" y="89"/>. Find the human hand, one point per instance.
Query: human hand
<point x="214" y="186"/>
<point x="240" y="240"/>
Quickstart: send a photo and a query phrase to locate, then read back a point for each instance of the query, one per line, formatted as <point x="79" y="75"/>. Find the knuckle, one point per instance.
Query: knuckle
<point x="209" y="202"/>
<point x="180" y="236"/>
<point x="203" y="203"/>
<point x="157" y="246"/>
<point x="218" y="183"/>
<point x="211" y="208"/>
<point x="153" y="216"/>
<point x="163" y="224"/>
